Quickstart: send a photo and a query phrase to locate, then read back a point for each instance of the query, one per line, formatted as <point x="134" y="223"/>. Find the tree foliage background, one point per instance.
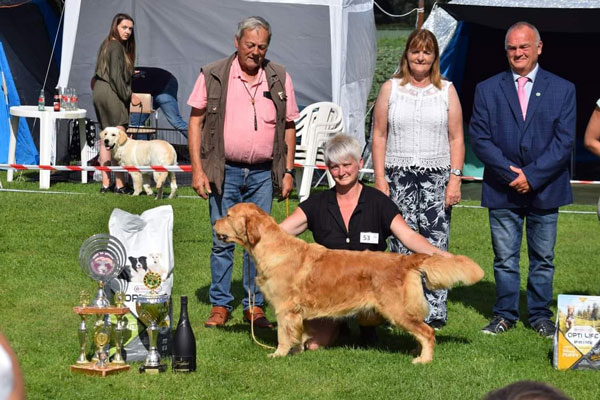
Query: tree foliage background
<point x="399" y="7"/>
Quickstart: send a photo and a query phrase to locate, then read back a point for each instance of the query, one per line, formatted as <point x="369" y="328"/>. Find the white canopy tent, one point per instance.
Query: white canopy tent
<point x="328" y="46"/>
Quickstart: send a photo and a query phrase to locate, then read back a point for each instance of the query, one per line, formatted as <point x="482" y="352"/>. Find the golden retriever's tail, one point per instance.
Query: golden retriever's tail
<point x="443" y="272"/>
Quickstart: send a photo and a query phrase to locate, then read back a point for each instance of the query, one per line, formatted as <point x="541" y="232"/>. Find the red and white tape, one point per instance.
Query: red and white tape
<point x="181" y="168"/>
<point x="112" y="168"/>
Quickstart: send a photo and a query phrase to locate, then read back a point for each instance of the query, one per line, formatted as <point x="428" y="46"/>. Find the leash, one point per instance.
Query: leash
<point x="287" y="207"/>
<point x="251" y="302"/>
<point x="252" y="295"/>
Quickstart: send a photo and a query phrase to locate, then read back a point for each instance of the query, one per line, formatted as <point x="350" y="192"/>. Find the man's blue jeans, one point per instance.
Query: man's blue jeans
<point x="168" y="105"/>
<point x="242" y="184"/>
<point x="167" y="102"/>
<point x="507" y="231"/>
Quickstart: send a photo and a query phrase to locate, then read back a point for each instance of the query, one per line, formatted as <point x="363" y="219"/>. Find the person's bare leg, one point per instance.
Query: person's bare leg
<point x="104" y="159"/>
<point x="322" y="332"/>
<point x="120" y="176"/>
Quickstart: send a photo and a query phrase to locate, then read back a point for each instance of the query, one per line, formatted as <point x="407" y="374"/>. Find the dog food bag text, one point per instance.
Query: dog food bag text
<point x="577" y="339"/>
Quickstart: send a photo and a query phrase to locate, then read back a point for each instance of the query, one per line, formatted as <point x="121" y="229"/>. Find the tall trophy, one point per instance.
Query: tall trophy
<point x="102" y="257"/>
<point x="152" y="309"/>
<point x="119" y="329"/>
<point x="82" y="331"/>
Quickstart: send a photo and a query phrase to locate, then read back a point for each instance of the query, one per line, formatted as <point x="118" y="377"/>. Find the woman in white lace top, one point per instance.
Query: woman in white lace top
<point x="418" y="149"/>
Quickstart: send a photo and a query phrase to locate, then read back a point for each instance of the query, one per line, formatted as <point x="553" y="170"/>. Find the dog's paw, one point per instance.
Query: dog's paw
<point x="422" y="360"/>
<point x="278" y="353"/>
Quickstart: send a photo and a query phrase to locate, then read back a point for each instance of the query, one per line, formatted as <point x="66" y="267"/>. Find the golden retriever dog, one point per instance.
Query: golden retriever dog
<point x="305" y="280"/>
<point x="128" y="151"/>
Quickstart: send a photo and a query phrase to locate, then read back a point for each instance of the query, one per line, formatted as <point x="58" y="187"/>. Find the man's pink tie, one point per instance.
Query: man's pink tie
<point x="521" y="81"/>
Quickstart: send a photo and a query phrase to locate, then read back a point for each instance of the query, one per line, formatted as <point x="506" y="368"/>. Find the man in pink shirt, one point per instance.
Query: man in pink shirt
<point x="242" y="140"/>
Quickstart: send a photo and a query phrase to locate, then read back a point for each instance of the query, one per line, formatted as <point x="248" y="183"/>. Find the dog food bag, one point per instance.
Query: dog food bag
<point x="148" y="240"/>
<point x="577" y="339"/>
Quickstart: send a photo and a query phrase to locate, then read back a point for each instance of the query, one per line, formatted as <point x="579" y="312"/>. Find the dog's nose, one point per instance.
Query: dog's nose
<point x="106" y="141"/>
<point x="222" y="237"/>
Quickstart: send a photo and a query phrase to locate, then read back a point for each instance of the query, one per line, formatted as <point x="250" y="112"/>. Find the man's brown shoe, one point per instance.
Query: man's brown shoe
<point x="260" y="321"/>
<point x="218" y="317"/>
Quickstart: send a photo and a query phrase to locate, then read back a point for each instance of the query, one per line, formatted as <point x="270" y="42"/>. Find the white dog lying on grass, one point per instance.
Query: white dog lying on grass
<point x="127" y="151"/>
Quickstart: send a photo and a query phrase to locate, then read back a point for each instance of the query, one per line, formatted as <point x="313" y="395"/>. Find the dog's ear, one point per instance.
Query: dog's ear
<point x="122" y="137"/>
<point x="133" y="261"/>
<point x="102" y="134"/>
<point x="253" y="230"/>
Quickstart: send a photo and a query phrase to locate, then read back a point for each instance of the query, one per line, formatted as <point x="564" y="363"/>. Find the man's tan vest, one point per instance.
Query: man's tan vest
<point x="212" y="152"/>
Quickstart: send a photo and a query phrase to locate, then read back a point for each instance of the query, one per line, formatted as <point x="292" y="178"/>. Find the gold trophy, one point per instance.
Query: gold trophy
<point x="102" y="257"/>
<point x="119" y="329"/>
<point x="82" y="332"/>
<point x="152" y="309"/>
<point x="101" y="339"/>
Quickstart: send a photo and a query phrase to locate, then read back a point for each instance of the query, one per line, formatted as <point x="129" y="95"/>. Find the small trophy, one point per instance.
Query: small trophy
<point x="152" y="309"/>
<point x="101" y="339"/>
<point x="119" y="329"/>
<point x="82" y="332"/>
<point x="102" y="257"/>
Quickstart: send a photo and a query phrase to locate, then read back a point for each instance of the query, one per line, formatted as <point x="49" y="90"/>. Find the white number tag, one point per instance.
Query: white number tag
<point x="369" y="237"/>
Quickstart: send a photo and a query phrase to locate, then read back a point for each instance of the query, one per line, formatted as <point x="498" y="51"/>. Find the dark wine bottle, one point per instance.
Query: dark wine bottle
<point x="184" y="343"/>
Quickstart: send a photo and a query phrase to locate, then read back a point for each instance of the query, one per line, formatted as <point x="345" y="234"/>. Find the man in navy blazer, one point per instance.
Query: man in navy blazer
<point x="523" y="130"/>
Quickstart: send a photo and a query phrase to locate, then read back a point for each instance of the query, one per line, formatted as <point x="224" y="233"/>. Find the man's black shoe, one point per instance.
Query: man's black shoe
<point x="497" y="325"/>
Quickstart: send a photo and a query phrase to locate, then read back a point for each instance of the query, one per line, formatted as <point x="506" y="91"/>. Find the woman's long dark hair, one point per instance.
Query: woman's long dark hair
<point x="128" y="45"/>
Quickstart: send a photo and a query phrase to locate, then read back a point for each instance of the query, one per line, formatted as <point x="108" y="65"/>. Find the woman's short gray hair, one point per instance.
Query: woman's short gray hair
<point x="253" y="23"/>
<point x="341" y="147"/>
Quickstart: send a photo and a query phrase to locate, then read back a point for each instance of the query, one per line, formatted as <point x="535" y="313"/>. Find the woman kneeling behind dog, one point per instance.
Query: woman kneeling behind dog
<point x="350" y="216"/>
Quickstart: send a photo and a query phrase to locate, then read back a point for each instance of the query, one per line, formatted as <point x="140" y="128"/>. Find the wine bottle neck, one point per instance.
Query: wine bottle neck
<point x="183" y="315"/>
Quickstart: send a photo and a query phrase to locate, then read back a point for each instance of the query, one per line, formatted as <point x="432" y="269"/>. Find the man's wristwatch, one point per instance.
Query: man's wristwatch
<point x="292" y="172"/>
<point x="456" y="172"/>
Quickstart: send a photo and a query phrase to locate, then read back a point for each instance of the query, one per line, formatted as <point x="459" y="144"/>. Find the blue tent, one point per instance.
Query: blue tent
<point x="26" y="39"/>
<point x="26" y="152"/>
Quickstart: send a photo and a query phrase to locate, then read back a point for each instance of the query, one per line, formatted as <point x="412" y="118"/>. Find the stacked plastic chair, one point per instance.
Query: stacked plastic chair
<point x="316" y="124"/>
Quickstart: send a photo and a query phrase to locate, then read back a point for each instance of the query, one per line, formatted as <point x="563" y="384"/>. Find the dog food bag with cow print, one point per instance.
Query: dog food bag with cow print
<point x="148" y="240"/>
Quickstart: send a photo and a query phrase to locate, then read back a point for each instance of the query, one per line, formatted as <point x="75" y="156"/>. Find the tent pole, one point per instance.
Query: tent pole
<point x="420" y="13"/>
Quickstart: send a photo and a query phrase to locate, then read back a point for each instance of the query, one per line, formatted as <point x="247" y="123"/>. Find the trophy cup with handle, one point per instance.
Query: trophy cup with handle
<point x="152" y="309"/>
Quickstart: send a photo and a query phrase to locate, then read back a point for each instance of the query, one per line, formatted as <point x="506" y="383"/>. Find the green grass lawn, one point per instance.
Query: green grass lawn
<point x="41" y="279"/>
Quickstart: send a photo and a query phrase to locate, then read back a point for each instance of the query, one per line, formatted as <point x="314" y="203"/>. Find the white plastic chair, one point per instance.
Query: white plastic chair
<point x="315" y="125"/>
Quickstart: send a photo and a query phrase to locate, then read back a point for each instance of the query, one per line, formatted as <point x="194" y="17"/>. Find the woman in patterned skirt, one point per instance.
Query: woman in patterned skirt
<point x="418" y="149"/>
